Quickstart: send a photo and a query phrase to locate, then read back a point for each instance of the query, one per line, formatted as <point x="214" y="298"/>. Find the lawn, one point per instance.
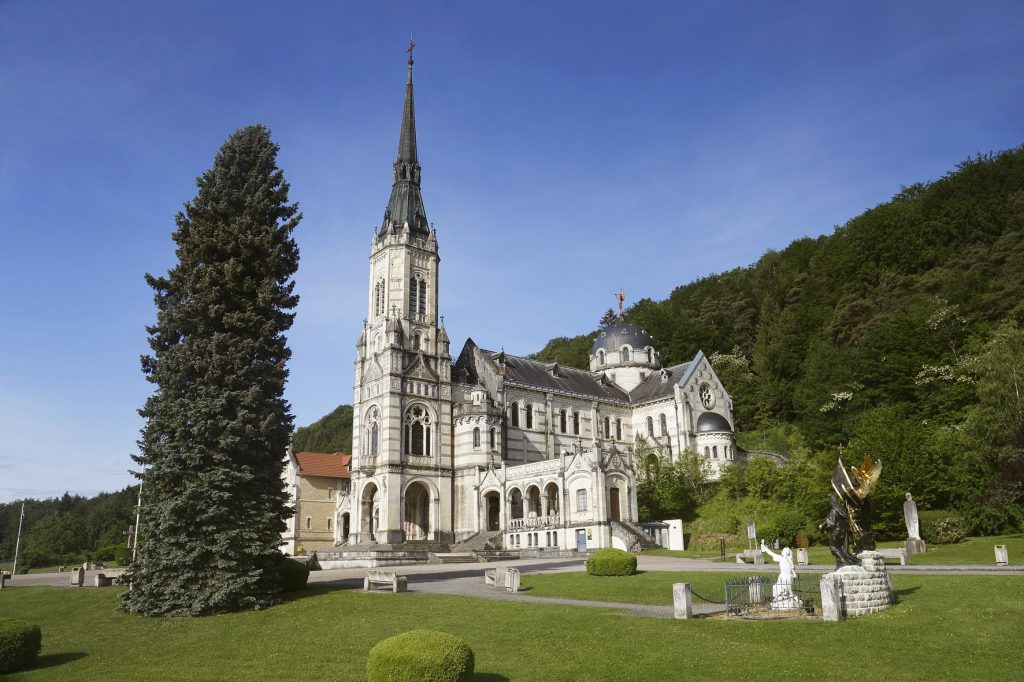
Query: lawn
<point x="976" y="550"/>
<point x="965" y="627"/>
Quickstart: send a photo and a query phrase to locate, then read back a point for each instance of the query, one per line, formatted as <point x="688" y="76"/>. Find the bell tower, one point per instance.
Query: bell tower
<point x="401" y="430"/>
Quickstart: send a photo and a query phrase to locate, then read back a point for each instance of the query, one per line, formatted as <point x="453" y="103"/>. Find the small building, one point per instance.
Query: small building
<point x="669" y="534"/>
<point x="315" y="483"/>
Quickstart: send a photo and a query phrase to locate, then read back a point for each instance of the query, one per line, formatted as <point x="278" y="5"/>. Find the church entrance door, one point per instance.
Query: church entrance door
<point x="581" y="540"/>
<point x="613" y="502"/>
<point x="417" y="512"/>
<point x="493" y="511"/>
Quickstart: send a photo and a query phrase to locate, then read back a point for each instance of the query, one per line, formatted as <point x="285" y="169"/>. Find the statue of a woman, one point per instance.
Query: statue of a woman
<point x="782" y="592"/>
<point x="912" y="521"/>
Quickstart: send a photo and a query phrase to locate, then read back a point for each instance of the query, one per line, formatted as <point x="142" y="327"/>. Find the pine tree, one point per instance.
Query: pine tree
<point x="214" y="504"/>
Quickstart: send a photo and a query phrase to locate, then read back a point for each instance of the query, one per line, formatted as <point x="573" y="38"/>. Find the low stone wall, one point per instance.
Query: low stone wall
<point x="855" y="591"/>
<point x="369" y="558"/>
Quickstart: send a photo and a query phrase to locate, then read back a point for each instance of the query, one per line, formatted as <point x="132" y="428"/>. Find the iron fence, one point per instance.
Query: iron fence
<point x="759" y="596"/>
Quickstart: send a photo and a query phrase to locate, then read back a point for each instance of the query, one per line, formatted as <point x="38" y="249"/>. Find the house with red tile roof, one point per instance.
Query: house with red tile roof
<point x="315" y="483"/>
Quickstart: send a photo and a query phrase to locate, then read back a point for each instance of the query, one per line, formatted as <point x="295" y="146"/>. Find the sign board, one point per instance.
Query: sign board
<point x="751" y="531"/>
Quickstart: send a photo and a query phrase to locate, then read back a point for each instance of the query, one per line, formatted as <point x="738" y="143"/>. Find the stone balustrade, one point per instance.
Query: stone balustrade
<point x="535" y="522"/>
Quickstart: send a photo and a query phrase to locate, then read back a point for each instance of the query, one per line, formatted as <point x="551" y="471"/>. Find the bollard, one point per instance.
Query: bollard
<point x="801" y="556"/>
<point x="831" y="597"/>
<point x="1002" y="556"/>
<point x="512" y="579"/>
<point x="682" y="600"/>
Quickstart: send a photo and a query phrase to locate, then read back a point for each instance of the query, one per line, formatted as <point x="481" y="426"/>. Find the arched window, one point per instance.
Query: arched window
<point x="581" y="500"/>
<point x="378" y="298"/>
<point x="618" y="429"/>
<point x="600" y="357"/>
<point x="575" y="423"/>
<point x="561" y="420"/>
<point x="417" y="432"/>
<point x="423" y="297"/>
<point x="494" y="441"/>
<point x="707" y="451"/>
<point x="650" y="355"/>
<point x="515" y="414"/>
<point x="650" y="426"/>
<point x="529" y="416"/>
<point x="664" y="425"/>
<point x="714" y="452"/>
<point x="416" y="341"/>
<point x="625" y="353"/>
<point x="476" y="438"/>
<point x="414" y="285"/>
<point x="607" y="428"/>
<point x="374" y="431"/>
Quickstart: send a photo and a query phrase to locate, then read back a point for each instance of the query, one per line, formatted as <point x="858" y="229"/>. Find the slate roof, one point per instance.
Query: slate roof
<point x="335" y="465"/>
<point x="406" y="202"/>
<point x="653" y="388"/>
<point x="617" y="334"/>
<point x="712" y="422"/>
<point x="566" y="379"/>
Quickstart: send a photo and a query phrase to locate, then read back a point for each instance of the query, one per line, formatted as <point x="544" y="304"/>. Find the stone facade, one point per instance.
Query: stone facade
<point x="530" y="454"/>
<point x="853" y="591"/>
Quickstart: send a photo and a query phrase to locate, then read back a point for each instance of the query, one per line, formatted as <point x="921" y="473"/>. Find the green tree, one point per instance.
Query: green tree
<point x="217" y="425"/>
<point x="331" y="433"/>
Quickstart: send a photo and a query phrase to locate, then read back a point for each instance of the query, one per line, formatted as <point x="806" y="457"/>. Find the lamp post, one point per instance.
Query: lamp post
<point x="17" y="543"/>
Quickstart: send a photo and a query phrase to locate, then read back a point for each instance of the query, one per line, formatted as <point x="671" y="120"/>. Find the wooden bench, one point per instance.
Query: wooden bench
<point x="398" y="583"/>
<point x="900" y="553"/>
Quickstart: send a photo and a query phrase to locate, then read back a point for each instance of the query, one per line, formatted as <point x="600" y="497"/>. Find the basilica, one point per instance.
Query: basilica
<point x="491" y="447"/>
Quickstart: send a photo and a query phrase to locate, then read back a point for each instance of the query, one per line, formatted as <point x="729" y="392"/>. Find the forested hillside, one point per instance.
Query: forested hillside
<point x="899" y="335"/>
<point x="330" y="433"/>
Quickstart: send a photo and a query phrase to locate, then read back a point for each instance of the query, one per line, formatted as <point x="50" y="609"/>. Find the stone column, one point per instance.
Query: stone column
<point x="682" y="600"/>
<point x="831" y="597"/>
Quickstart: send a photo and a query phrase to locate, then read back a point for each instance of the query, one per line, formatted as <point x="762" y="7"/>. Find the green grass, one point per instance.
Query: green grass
<point x="8" y="565"/>
<point x="963" y="627"/>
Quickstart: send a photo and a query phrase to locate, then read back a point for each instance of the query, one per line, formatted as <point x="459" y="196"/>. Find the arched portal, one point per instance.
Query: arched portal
<point x="516" y="503"/>
<point x="369" y="512"/>
<point x="533" y="501"/>
<point x="343" y="528"/>
<point x="417" y="512"/>
<point x="492" y="503"/>
<point x="551" y="498"/>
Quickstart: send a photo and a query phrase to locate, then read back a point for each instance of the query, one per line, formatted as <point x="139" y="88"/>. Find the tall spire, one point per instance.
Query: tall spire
<point x="406" y="202"/>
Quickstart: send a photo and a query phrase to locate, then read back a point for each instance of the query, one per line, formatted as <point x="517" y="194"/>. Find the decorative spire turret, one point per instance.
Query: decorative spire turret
<point x="406" y="203"/>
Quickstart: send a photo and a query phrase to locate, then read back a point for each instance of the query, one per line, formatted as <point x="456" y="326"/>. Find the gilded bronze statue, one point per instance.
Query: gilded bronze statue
<point x="849" y="519"/>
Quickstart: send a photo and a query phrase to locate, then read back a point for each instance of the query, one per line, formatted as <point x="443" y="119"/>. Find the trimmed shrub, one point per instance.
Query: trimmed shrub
<point x="293" y="575"/>
<point x="945" y="530"/>
<point x="19" y="645"/>
<point x="426" y="655"/>
<point x="801" y="540"/>
<point x="611" y="561"/>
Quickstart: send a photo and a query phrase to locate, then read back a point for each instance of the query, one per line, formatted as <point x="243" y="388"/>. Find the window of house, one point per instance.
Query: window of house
<point x="714" y="452"/>
<point x="600" y="357"/>
<point x="650" y="426"/>
<point x="476" y="438"/>
<point x="664" y="425"/>
<point x="562" y="420"/>
<point x="515" y="414"/>
<point x="494" y="439"/>
<point x="330" y="493"/>
<point x="329" y="520"/>
<point x="707" y="451"/>
<point x="575" y="423"/>
<point x="529" y="416"/>
<point x="581" y="500"/>
<point x="607" y="428"/>
<point x="618" y="429"/>
<point x="309" y="522"/>
<point x="650" y="356"/>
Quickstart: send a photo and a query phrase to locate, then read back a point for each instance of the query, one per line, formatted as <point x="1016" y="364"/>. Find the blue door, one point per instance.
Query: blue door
<point x="581" y="540"/>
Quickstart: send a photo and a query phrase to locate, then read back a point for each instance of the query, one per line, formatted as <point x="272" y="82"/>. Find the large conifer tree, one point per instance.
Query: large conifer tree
<point x="214" y="504"/>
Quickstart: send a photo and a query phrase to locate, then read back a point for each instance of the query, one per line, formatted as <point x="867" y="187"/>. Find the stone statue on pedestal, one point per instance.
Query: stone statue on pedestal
<point x="850" y="515"/>
<point x="914" y="545"/>
<point x="782" y="591"/>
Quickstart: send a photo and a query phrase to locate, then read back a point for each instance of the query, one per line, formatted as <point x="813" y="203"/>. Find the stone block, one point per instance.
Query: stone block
<point x="801" y="556"/>
<point x="682" y="600"/>
<point x="1002" y="556"/>
<point x="915" y="546"/>
<point x="512" y="579"/>
<point x="832" y="597"/>
<point x="77" y="576"/>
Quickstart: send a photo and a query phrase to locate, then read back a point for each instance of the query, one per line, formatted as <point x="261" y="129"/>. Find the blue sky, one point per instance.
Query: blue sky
<point x="568" y="149"/>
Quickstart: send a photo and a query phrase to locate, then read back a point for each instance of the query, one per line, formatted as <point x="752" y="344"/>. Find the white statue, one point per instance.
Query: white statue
<point x="782" y="591"/>
<point x="911" y="519"/>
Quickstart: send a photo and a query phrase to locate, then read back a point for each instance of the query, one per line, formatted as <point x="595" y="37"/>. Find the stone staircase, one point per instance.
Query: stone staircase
<point x="453" y="558"/>
<point x="484" y="541"/>
<point x="633" y="536"/>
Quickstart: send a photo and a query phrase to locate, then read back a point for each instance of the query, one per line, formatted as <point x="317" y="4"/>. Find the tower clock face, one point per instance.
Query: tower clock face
<point x="707" y="396"/>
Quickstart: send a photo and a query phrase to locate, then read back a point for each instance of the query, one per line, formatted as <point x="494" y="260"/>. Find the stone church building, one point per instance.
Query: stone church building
<point x="525" y="454"/>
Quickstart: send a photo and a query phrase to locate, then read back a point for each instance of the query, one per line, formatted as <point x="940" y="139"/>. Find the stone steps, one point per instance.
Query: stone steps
<point x="454" y="557"/>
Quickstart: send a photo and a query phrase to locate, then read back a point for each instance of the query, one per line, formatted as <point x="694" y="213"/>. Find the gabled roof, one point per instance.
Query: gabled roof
<point x="654" y="388"/>
<point x="556" y="377"/>
<point x="335" y="465"/>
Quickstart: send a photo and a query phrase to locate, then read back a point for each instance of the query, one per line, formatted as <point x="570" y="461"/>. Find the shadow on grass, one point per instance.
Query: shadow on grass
<point x="53" y="660"/>
<point x="490" y="677"/>
<point x="905" y="591"/>
<point x="320" y="589"/>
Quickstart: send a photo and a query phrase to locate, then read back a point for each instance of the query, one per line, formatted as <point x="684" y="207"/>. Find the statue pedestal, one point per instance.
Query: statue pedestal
<point x="856" y="590"/>
<point x="915" y="546"/>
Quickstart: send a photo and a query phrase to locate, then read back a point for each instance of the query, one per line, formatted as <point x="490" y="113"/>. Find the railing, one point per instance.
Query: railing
<point x="535" y="522"/>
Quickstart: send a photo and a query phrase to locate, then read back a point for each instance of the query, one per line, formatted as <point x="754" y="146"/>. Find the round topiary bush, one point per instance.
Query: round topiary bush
<point x="610" y="561"/>
<point x="19" y="644"/>
<point x="294" y="575"/>
<point x="426" y="655"/>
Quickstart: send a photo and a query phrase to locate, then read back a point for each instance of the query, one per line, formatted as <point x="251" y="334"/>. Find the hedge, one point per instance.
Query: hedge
<point x="293" y="575"/>
<point x="426" y="655"/>
<point x="610" y="561"/>
<point x="19" y="644"/>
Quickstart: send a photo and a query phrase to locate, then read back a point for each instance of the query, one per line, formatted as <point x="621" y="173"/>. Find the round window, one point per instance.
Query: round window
<point x="707" y="396"/>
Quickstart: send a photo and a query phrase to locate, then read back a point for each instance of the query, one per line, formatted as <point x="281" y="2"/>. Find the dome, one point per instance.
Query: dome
<point x="618" y="334"/>
<point x="712" y="422"/>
